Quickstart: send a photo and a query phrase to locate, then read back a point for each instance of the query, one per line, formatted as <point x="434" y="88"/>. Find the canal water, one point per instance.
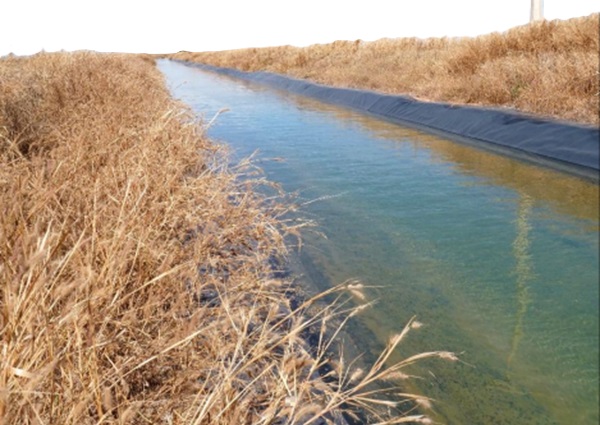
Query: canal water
<point x="498" y="259"/>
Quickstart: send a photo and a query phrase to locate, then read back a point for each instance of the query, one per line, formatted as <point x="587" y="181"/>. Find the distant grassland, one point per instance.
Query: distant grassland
<point x="138" y="278"/>
<point x="548" y="68"/>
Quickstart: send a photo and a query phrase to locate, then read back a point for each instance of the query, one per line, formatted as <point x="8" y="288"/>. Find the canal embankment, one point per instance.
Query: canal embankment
<point x="544" y="68"/>
<point x="568" y="147"/>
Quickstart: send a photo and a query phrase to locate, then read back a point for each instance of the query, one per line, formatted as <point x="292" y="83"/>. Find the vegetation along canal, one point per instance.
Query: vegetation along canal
<point x="497" y="258"/>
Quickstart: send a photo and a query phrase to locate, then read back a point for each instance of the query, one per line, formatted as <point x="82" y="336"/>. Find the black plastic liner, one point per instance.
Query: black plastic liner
<point x="564" y="146"/>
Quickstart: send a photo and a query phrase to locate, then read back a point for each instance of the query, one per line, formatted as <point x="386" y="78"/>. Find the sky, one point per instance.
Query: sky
<point x="29" y="26"/>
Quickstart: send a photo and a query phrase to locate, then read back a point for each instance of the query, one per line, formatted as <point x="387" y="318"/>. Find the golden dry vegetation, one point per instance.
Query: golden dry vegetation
<point x="548" y="68"/>
<point x="138" y="269"/>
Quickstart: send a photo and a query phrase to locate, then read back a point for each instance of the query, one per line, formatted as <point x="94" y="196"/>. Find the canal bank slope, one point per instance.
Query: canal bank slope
<point x="567" y="147"/>
<point x="545" y="68"/>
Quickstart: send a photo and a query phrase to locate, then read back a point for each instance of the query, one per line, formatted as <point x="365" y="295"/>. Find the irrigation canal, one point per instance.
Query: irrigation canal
<point x="499" y="259"/>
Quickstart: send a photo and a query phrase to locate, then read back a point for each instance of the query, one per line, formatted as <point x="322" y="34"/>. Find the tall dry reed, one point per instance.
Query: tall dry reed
<point x="137" y="280"/>
<point x="547" y="68"/>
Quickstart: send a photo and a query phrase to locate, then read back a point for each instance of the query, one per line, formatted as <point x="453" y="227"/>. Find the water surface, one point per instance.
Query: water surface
<point x="499" y="259"/>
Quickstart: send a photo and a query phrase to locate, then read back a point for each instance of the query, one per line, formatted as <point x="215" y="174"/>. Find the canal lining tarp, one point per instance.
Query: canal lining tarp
<point x="568" y="147"/>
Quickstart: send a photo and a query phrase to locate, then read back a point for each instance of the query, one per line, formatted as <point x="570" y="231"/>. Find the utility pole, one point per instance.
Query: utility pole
<point x="537" y="10"/>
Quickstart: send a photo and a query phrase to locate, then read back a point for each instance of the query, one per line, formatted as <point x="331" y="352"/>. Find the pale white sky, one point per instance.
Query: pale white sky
<point x="28" y="26"/>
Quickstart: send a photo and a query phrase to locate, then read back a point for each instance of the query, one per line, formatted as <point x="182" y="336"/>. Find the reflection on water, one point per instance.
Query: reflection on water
<point x="570" y="195"/>
<point x="498" y="258"/>
<point x="524" y="271"/>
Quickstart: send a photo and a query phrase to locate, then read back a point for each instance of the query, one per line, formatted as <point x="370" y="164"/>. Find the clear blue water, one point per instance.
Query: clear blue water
<point x="498" y="259"/>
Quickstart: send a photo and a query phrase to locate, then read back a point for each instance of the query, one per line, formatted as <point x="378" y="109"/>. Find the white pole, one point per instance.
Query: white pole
<point x="537" y="10"/>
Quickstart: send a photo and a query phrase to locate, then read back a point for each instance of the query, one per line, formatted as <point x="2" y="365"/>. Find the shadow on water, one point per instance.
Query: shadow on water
<point x="498" y="258"/>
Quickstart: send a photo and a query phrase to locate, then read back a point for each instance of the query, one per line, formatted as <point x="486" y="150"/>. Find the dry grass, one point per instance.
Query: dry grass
<point x="136" y="267"/>
<point x="548" y="68"/>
